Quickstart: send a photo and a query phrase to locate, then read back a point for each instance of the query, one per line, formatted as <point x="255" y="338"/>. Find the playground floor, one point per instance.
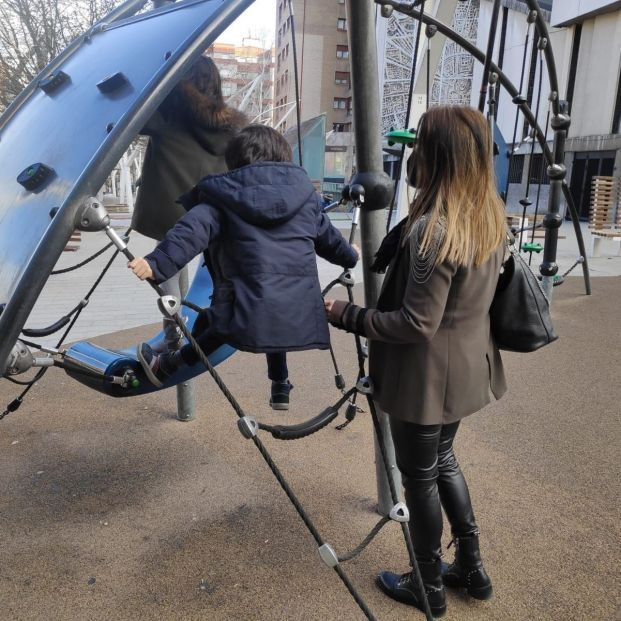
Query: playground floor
<point x="114" y="510"/>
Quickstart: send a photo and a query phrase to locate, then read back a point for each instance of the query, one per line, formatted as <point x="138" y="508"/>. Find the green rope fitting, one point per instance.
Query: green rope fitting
<point x="532" y="247"/>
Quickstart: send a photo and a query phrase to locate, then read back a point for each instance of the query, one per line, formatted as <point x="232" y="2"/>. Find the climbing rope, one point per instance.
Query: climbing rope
<point x="14" y="405"/>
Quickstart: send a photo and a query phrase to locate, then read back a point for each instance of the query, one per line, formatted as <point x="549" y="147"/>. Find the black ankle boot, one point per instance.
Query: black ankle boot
<point x="404" y="588"/>
<point x="467" y="569"/>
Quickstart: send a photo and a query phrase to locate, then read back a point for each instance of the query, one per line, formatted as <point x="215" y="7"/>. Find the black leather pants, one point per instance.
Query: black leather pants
<point x="432" y="480"/>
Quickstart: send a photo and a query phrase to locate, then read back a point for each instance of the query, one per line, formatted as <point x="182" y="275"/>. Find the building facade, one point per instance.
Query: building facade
<point x="323" y="63"/>
<point x="247" y="73"/>
<point x="589" y="67"/>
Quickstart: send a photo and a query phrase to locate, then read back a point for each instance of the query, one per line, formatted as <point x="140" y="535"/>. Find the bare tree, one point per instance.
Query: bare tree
<point x="33" y="32"/>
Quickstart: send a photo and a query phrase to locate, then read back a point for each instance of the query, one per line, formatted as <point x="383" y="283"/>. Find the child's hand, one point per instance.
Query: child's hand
<point x="357" y="249"/>
<point x="141" y="268"/>
<point x="328" y="303"/>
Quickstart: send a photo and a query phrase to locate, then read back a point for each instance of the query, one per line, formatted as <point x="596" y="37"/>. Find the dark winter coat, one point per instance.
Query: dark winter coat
<point x="262" y="226"/>
<point x="432" y="357"/>
<point x="185" y="145"/>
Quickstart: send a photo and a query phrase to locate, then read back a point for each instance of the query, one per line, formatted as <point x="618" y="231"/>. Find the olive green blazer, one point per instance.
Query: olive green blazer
<point x="432" y="358"/>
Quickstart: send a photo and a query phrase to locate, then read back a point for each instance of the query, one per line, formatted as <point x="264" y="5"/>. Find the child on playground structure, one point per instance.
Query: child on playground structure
<point x="259" y="226"/>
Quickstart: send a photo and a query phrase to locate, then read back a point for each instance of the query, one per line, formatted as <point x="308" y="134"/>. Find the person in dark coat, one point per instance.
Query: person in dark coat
<point x="260" y="227"/>
<point x="188" y="135"/>
<point x="432" y="358"/>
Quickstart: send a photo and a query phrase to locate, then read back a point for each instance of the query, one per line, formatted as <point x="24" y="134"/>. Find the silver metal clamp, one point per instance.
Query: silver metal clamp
<point x="347" y="279"/>
<point x="92" y="216"/>
<point x="169" y="305"/>
<point x="400" y="513"/>
<point x="365" y="386"/>
<point x="248" y="427"/>
<point x="328" y="555"/>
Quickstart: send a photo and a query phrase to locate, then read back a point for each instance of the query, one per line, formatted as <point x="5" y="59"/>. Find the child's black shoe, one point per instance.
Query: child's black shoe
<point x="280" y="395"/>
<point x="154" y="365"/>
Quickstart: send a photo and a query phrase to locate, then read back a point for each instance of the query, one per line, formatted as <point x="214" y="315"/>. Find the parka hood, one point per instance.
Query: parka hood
<point x="264" y="194"/>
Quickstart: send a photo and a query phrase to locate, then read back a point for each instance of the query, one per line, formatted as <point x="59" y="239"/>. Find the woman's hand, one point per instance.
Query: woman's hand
<point x="141" y="268"/>
<point x="333" y="309"/>
<point x="357" y="249"/>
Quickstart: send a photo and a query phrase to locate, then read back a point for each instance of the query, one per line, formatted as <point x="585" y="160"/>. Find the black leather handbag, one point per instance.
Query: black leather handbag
<point x="520" y="312"/>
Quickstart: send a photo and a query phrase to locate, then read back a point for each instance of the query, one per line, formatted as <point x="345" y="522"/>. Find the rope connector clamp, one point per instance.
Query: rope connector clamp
<point x="399" y="513"/>
<point x="328" y="555"/>
<point x="169" y="305"/>
<point x="347" y="279"/>
<point x="248" y="427"/>
<point x="365" y="386"/>
<point x="92" y="216"/>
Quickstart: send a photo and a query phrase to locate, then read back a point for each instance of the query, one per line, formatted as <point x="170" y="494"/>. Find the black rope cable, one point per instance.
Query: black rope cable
<point x="539" y="184"/>
<point x="257" y="442"/>
<point x="307" y="428"/>
<point x="488" y="55"/>
<point x="407" y="116"/>
<point x="16" y="403"/>
<point x="297" y="82"/>
<point x="55" y="327"/>
<point x="387" y="468"/>
<point x="532" y="148"/>
<point x="366" y="541"/>
<point x="517" y="109"/>
<point x="393" y="494"/>
<point x="83" y="263"/>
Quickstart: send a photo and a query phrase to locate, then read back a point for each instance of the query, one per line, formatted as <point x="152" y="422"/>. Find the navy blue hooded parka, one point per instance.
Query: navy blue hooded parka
<point x="259" y="227"/>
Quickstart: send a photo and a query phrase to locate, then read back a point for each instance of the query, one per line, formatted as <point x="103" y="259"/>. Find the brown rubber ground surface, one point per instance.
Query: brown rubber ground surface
<point x="112" y="509"/>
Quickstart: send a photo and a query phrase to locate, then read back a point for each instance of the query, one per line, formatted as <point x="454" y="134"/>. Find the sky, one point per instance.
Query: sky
<point x="257" y="21"/>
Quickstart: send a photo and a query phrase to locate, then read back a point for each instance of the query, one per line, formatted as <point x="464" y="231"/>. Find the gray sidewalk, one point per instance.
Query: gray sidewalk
<point x="122" y="302"/>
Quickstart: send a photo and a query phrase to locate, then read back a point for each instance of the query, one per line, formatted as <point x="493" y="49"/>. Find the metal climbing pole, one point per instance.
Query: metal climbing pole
<point x="378" y="186"/>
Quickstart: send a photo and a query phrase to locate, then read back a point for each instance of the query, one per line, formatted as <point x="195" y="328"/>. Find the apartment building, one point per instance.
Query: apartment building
<point x="247" y="73"/>
<point x="323" y="63"/>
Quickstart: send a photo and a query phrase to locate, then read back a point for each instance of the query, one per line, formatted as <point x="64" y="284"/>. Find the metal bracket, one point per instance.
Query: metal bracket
<point x="365" y="386"/>
<point x="92" y="216"/>
<point x="399" y="513"/>
<point x="347" y="279"/>
<point x="20" y="359"/>
<point x="248" y="427"/>
<point x="169" y="305"/>
<point x="328" y="555"/>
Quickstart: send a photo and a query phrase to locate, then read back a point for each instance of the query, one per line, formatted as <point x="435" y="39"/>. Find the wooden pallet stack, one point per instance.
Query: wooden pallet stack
<point x="604" y="212"/>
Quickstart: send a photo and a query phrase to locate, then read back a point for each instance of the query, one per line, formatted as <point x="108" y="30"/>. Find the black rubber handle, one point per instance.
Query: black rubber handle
<point x="295" y="432"/>
<point x="38" y="332"/>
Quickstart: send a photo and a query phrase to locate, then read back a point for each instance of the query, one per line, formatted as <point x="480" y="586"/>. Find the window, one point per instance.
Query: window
<point x="341" y="77"/>
<point x="515" y="171"/>
<point x="340" y="103"/>
<point x="539" y="170"/>
<point x="342" y="51"/>
<point x="341" y="127"/>
<point x="341" y="23"/>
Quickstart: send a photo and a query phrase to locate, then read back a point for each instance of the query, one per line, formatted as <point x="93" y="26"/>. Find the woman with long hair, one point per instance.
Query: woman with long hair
<point x="432" y="358"/>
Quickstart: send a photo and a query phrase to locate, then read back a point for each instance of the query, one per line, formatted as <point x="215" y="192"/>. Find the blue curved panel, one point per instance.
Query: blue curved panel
<point x="115" y="79"/>
<point x="113" y="362"/>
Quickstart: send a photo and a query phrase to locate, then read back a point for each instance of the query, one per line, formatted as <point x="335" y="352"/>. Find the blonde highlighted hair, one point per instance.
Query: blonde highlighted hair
<point x="456" y="188"/>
